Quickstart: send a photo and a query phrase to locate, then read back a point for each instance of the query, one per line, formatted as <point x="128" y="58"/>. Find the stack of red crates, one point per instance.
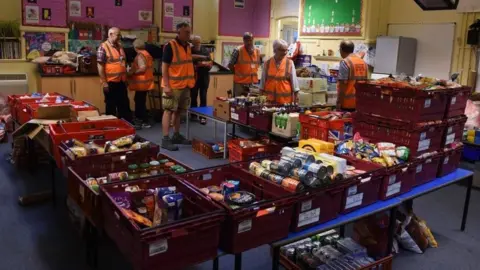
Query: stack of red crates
<point x="314" y="127"/>
<point x="413" y="118"/>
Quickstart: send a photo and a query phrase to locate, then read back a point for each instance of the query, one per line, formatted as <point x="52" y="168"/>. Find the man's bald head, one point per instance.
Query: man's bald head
<point x="346" y="48"/>
<point x="114" y="35"/>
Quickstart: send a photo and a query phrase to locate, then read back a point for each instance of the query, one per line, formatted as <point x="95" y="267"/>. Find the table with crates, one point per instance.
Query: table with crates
<point x="158" y="211"/>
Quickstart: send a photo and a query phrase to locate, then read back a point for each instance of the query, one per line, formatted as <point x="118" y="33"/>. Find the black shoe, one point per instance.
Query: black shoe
<point x="203" y="120"/>
<point x="167" y="143"/>
<point x="146" y="125"/>
<point x="179" y="139"/>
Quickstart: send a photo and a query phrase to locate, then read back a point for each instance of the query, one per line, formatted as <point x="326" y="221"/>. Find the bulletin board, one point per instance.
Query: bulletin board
<point x="39" y="43"/>
<point x="175" y="12"/>
<point x="227" y="50"/>
<point x="124" y="14"/>
<point x="331" y="17"/>
<point x="50" y="13"/>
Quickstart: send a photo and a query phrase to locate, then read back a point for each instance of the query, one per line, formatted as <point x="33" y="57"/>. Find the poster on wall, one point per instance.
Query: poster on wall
<point x="40" y="43"/>
<point x="331" y="18"/>
<point x="175" y="12"/>
<point x="75" y="8"/>
<point x="169" y="10"/>
<point x="239" y="4"/>
<point x="90" y="12"/>
<point x="227" y="50"/>
<point x="32" y="15"/>
<point x="46" y="14"/>
<point x="145" y="15"/>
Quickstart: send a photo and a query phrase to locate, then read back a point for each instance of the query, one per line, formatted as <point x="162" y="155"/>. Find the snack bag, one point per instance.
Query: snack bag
<point x="402" y="152"/>
<point x="386" y="148"/>
<point x="426" y="231"/>
<point x="123" y="141"/>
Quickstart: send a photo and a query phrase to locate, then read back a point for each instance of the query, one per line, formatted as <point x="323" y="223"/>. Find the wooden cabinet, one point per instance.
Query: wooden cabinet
<point x="61" y="85"/>
<point x="218" y="87"/>
<point x="89" y="89"/>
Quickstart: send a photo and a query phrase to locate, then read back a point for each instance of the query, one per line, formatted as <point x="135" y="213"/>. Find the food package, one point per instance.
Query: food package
<point x="78" y="151"/>
<point x="123" y="141"/>
<point x="386" y="148"/>
<point x="137" y="217"/>
<point x="411" y="236"/>
<point x="432" y="242"/>
<point x="402" y="152"/>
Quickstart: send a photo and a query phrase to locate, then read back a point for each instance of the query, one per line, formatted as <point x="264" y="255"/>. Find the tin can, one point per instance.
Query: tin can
<point x="284" y="168"/>
<point x="276" y="178"/>
<point x="274" y="168"/>
<point x="235" y="183"/>
<point x="227" y="188"/>
<point x="260" y="171"/>
<point x="287" y="151"/>
<point x="301" y="249"/>
<point x="265" y="174"/>
<point x="290" y="253"/>
<point x="266" y="164"/>
<point x="295" y="162"/>
<point x="316" y="246"/>
<point x="302" y="175"/>
<point x="318" y="169"/>
<point x="292" y="184"/>
<point x="338" y="177"/>
<point x="309" y="248"/>
<point x="304" y="157"/>
<point x="254" y="166"/>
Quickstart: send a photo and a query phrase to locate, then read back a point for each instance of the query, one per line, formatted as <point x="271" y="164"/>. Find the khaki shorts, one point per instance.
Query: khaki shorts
<point x="179" y="100"/>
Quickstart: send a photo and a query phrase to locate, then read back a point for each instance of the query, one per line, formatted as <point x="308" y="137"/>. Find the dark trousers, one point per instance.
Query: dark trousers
<point x="141" y="105"/>
<point x="200" y="89"/>
<point x="116" y="101"/>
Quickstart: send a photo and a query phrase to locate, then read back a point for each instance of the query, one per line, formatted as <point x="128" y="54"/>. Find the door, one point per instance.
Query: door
<point x="89" y="89"/>
<point x="223" y="85"/>
<point x="61" y="85"/>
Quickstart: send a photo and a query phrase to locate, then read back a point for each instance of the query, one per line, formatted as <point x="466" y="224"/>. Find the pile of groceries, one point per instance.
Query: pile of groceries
<point x="77" y="148"/>
<point x="298" y="169"/>
<point x="229" y="192"/>
<point x="418" y="83"/>
<point x="150" y="207"/>
<point x="136" y="171"/>
<point x="327" y="251"/>
<point x="45" y="98"/>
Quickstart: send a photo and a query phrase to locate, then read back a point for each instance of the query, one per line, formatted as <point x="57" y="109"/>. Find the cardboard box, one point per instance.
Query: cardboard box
<point x="290" y="129"/>
<point x="83" y="115"/>
<point x="100" y="117"/>
<point x="306" y="99"/>
<point x="312" y="85"/>
<point x="221" y="109"/>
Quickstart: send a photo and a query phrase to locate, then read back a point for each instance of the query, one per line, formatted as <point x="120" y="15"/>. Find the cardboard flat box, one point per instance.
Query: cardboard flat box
<point x="221" y="109"/>
<point x="83" y="115"/>
<point x="100" y="117"/>
<point x="290" y="130"/>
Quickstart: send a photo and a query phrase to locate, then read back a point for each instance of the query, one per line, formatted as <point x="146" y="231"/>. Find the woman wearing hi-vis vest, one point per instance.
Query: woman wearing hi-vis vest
<point x="140" y="80"/>
<point x="279" y="78"/>
<point x="352" y="69"/>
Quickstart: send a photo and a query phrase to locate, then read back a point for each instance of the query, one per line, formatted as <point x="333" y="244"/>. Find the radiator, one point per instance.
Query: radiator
<point x="11" y="84"/>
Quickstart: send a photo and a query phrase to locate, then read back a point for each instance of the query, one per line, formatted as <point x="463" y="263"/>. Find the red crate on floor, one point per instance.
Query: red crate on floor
<point x="205" y="149"/>
<point x="89" y="130"/>
<point x="453" y="130"/>
<point x="450" y="161"/>
<point x="426" y="169"/>
<point x="419" y="138"/>
<point x="88" y="199"/>
<point x="399" y="179"/>
<point x="408" y="104"/>
<point x="254" y="225"/>
<point x="457" y="101"/>
<point x="236" y="153"/>
<point x="313" y="127"/>
<point x="174" y="245"/>
<point x="239" y="113"/>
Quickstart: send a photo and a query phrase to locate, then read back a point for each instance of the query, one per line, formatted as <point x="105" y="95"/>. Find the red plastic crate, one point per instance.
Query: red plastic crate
<point x="236" y="153"/>
<point x="419" y="138"/>
<point x="30" y="110"/>
<point x="251" y="226"/>
<point x="239" y="114"/>
<point x="399" y="179"/>
<point x="204" y="148"/>
<point x="84" y="131"/>
<point x="260" y="120"/>
<point x="174" y="245"/>
<point x="457" y="101"/>
<point x="450" y="161"/>
<point x="316" y="128"/>
<point x="86" y="198"/>
<point x="17" y="104"/>
<point x="383" y="264"/>
<point x="453" y="130"/>
<point x="426" y="169"/>
<point x="407" y="104"/>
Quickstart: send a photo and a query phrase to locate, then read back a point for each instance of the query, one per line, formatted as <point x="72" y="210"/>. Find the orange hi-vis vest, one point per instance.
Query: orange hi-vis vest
<point x="246" y="67"/>
<point x="358" y="72"/>
<point x="181" y="72"/>
<point x="277" y="84"/>
<point x="115" y="67"/>
<point x="142" y="81"/>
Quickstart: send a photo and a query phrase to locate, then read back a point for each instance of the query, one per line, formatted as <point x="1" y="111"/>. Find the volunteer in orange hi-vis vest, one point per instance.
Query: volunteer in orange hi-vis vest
<point x="244" y="64"/>
<point x="111" y="63"/>
<point x="352" y="69"/>
<point x="279" y="79"/>
<point x="140" y="80"/>
<point x="178" y="77"/>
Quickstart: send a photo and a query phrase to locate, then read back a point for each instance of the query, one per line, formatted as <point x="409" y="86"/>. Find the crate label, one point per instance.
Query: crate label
<point x="309" y="217"/>
<point x="450" y="130"/>
<point x="419" y="168"/>
<point x="450" y="138"/>
<point x="234" y="116"/>
<point x="251" y="115"/>
<point x="245" y="226"/>
<point x="394" y="189"/>
<point x="306" y="206"/>
<point x="427" y="104"/>
<point x="81" y="191"/>
<point x="454" y="100"/>
<point x="423" y="145"/>
<point x="352" y="191"/>
<point x="353" y="201"/>
<point x="158" y="247"/>
<point x="445" y="161"/>
<point x="423" y="135"/>
<point x="392" y="179"/>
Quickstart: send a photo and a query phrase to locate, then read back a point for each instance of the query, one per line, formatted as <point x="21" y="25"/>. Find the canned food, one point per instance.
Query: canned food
<point x="264" y="174"/>
<point x="284" y="167"/>
<point x="254" y="166"/>
<point x="266" y="164"/>
<point x="292" y="184"/>
<point x="235" y="183"/>
<point x="301" y="174"/>
<point x="318" y="169"/>
<point x="278" y="179"/>
<point x="295" y="162"/>
<point x="290" y="253"/>
<point x="309" y="248"/>
<point x="304" y="157"/>
<point x="287" y="151"/>
<point x="339" y="177"/>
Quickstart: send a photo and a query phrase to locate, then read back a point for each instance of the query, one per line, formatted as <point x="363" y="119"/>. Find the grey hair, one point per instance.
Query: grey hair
<point x="196" y="37"/>
<point x="113" y="29"/>
<point x="139" y="44"/>
<point x="278" y="43"/>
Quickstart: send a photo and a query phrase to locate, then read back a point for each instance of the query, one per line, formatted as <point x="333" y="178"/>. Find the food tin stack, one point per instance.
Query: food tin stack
<point x="258" y="212"/>
<point x="161" y="222"/>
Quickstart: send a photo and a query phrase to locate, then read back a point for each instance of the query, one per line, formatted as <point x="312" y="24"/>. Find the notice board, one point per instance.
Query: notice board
<point x="39" y="43"/>
<point x="124" y="14"/>
<point x="49" y="13"/>
<point x="331" y="18"/>
<point x="175" y="12"/>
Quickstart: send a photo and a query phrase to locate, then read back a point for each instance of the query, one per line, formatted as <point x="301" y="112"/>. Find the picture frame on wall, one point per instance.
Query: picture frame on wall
<point x="90" y="11"/>
<point x="227" y="50"/>
<point x="75" y="8"/>
<point x="46" y="14"/>
<point x="32" y="14"/>
<point x="175" y="11"/>
<point x="331" y="18"/>
<point x="239" y="3"/>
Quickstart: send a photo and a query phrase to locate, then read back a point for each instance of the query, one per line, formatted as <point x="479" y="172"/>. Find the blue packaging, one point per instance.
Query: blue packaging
<point x="162" y="191"/>
<point x="172" y="206"/>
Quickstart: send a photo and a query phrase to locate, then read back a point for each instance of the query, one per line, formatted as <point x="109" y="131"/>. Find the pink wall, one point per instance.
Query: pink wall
<point x="58" y="12"/>
<point x="167" y="22"/>
<point x="255" y="18"/>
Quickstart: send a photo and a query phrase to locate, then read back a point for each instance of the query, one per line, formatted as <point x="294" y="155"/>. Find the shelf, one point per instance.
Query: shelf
<point x="9" y="38"/>
<point x="12" y="60"/>
<point x="327" y="58"/>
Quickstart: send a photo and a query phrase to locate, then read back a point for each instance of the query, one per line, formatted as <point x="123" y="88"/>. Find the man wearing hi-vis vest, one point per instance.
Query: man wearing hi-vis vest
<point x="244" y="64"/>
<point x="279" y="78"/>
<point x="352" y="69"/>
<point x="111" y="63"/>
<point x="178" y="78"/>
<point x="140" y="80"/>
